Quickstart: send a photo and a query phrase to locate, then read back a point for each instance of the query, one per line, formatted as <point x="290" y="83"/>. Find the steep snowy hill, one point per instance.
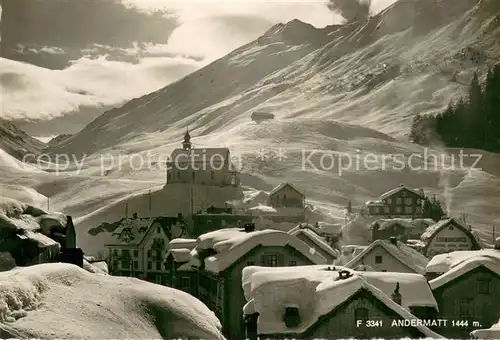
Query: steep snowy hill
<point x="337" y="93"/>
<point x="16" y="142"/>
<point x="376" y="73"/>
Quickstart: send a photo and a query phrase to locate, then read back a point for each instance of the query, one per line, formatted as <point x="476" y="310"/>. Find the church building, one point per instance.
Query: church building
<point x="204" y="166"/>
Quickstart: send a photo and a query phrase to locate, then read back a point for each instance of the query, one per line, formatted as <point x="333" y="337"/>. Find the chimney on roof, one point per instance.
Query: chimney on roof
<point x="249" y="227"/>
<point x="344" y="274"/>
<point x="401" y="185"/>
<point x="396" y="296"/>
<point x="393" y="240"/>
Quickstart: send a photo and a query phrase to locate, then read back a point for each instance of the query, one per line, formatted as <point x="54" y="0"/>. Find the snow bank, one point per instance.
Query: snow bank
<point x="270" y="290"/>
<point x="182" y="243"/>
<point x="444" y="262"/>
<point x="65" y="301"/>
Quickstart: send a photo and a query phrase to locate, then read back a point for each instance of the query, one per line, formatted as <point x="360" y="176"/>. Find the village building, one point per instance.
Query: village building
<point x="204" y="222"/>
<point x="177" y="259"/>
<point x="220" y="257"/>
<point x="140" y="244"/>
<point x="390" y="256"/>
<point x="286" y="195"/>
<point x="313" y="240"/>
<point x="448" y="235"/>
<point x="401" y="228"/>
<point x="402" y="201"/>
<point x="333" y="303"/>
<point x="203" y="166"/>
<point x="468" y="293"/>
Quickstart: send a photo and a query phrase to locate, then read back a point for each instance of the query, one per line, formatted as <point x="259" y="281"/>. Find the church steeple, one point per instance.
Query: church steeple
<point x="186" y="144"/>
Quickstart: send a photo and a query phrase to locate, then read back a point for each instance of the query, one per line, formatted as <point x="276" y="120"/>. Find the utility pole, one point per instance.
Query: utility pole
<point x="48" y="204"/>
<point x="149" y="197"/>
<point x="126" y="210"/>
<point x="494" y="238"/>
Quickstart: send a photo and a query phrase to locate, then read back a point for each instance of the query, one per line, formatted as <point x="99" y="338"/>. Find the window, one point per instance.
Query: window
<point x="193" y="174"/>
<point x="419" y="201"/>
<point x="150" y="253"/>
<point x="399" y="200"/>
<point x="361" y="314"/>
<point x="419" y="210"/>
<point x="158" y="279"/>
<point x="125" y="253"/>
<point x="158" y="230"/>
<point x="136" y="265"/>
<point x="292" y="317"/>
<point x="375" y="210"/>
<point x="178" y="175"/>
<point x="389" y="201"/>
<point x="158" y="265"/>
<point x="292" y="263"/>
<point x="465" y="309"/>
<point x="136" y="253"/>
<point x="212" y="175"/>
<point x="185" y="282"/>
<point x="115" y="252"/>
<point x="223" y="223"/>
<point x="450" y="227"/>
<point x="408" y="210"/>
<point x="251" y="263"/>
<point x="378" y="259"/>
<point x="408" y="201"/>
<point x="483" y="286"/>
<point x="386" y="210"/>
<point x="150" y="265"/>
<point x="271" y="260"/>
<point x="398" y="210"/>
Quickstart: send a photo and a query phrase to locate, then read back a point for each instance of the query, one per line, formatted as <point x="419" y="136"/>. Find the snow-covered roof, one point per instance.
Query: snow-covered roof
<point x="200" y="155"/>
<point x="315" y="229"/>
<point x="264" y="208"/>
<point x="443" y="262"/>
<point x="232" y="243"/>
<point x="434" y="229"/>
<point x="488" y="333"/>
<point x="269" y="290"/>
<point x="281" y="186"/>
<point x="375" y="203"/>
<point x="389" y="193"/>
<point x="131" y="231"/>
<point x="182" y="243"/>
<point x="316" y="240"/>
<point x="465" y="266"/>
<point x="400" y="251"/>
<point x="407" y="223"/>
<point x="180" y="255"/>
<point x="42" y="240"/>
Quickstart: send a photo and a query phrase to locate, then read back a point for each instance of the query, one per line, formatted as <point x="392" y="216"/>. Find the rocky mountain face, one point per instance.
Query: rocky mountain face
<point x="16" y="142"/>
<point x="411" y="58"/>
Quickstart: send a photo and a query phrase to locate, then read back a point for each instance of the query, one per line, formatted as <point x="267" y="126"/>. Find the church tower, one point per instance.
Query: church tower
<point x="186" y="144"/>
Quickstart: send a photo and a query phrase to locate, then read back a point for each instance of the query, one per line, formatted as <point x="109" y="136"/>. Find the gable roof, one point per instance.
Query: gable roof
<point x="441" y="263"/>
<point x="281" y="186"/>
<point x="400" y="188"/>
<point x="321" y="293"/>
<point x="400" y="251"/>
<point x="139" y="228"/>
<point x="316" y="240"/>
<point x="433" y="230"/>
<point x="464" y="267"/>
<point x="229" y="245"/>
<point x="407" y="223"/>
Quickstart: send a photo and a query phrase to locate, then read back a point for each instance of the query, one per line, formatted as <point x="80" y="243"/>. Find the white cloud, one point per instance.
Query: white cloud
<point x="38" y="93"/>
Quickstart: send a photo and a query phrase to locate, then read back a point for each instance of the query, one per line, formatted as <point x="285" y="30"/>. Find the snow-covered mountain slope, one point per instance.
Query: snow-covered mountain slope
<point x="63" y="301"/>
<point x="16" y="142"/>
<point x="338" y="92"/>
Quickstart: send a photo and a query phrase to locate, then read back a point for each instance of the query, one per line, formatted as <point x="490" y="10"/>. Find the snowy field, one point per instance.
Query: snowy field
<point x="56" y="301"/>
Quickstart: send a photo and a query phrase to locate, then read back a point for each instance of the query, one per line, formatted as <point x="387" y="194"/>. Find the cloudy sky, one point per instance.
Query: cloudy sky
<point x="76" y="58"/>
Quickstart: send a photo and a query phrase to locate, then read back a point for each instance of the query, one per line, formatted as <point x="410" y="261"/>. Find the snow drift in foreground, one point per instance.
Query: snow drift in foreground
<point x="65" y="301"/>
